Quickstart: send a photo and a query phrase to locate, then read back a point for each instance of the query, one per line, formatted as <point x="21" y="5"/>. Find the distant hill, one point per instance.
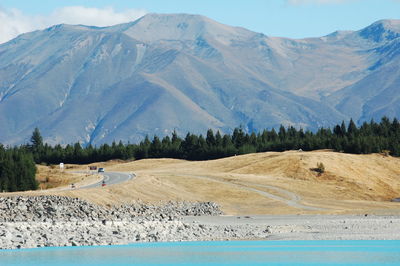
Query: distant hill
<point x="354" y="184"/>
<point x="166" y="72"/>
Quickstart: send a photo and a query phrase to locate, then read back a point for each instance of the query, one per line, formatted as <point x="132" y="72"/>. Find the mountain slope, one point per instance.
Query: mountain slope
<point x="377" y="94"/>
<point x="189" y="73"/>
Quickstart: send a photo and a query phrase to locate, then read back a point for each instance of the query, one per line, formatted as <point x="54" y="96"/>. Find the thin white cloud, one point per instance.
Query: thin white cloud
<point x="316" y="2"/>
<point x="13" y="22"/>
<point x="94" y="16"/>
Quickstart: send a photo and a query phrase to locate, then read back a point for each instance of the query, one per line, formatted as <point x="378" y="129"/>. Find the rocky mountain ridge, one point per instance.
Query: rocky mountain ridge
<point x="166" y="72"/>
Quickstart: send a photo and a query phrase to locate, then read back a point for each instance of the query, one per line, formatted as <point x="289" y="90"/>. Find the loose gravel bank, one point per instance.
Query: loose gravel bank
<point x="43" y="221"/>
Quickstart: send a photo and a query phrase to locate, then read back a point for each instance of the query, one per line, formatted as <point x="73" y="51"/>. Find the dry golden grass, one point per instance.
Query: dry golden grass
<point x="350" y="183"/>
<point x="52" y="177"/>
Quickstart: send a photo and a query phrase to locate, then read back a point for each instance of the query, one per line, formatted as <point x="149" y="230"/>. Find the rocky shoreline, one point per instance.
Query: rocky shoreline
<point x="48" y="221"/>
<point x="52" y="221"/>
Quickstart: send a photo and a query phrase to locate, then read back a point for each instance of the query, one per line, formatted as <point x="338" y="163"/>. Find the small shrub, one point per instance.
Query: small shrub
<point x="320" y="169"/>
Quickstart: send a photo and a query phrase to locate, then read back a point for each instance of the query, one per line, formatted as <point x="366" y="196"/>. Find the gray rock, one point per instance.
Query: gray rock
<point x="63" y="221"/>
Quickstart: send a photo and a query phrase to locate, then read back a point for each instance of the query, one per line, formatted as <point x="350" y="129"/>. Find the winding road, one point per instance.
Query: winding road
<point x="111" y="178"/>
<point x="293" y="199"/>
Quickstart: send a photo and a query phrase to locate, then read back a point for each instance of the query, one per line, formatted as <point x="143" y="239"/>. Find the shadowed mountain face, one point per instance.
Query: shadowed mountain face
<point x="189" y="73"/>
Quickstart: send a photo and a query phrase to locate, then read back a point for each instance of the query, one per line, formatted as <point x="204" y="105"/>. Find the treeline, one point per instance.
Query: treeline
<point x="17" y="170"/>
<point x="17" y="164"/>
<point x="370" y="137"/>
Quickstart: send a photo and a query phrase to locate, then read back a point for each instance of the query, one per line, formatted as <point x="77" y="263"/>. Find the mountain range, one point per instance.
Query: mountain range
<point x="166" y="72"/>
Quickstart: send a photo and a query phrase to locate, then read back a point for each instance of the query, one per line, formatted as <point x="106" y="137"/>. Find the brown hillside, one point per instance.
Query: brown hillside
<point x="263" y="183"/>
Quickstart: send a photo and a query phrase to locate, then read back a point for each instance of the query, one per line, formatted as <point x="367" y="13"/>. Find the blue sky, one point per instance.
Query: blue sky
<point x="286" y="18"/>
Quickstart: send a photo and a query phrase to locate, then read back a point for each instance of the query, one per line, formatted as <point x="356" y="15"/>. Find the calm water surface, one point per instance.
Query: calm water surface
<point x="215" y="253"/>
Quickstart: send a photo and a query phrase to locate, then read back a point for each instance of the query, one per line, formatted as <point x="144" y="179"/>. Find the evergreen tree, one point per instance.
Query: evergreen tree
<point x="352" y="128"/>
<point x="210" y="139"/>
<point x="370" y="137"/>
<point x="343" y="129"/>
<point x="37" y="145"/>
<point x="218" y="139"/>
<point x="155" y="149"/>
<point x="36" y="139"/>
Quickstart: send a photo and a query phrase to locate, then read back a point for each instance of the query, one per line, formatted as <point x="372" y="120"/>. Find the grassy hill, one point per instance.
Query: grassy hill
<point x="262" y="183"/>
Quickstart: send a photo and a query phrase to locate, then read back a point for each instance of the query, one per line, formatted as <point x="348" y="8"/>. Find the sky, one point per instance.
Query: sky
<point x="282" y="18"/>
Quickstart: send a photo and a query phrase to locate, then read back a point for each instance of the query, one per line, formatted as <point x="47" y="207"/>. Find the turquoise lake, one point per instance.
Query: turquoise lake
<point x="215" y="253"/>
